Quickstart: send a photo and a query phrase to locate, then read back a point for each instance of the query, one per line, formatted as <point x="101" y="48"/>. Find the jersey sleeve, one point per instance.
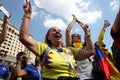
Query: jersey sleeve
<point x="100" y="38"/>
<point x="41" y="47"/>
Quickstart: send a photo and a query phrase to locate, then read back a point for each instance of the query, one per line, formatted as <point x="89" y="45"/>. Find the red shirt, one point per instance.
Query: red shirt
<point x="116" y="38"/>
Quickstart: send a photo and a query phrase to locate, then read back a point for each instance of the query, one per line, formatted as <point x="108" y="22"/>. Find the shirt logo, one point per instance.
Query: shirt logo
<point x="4" y="68"/>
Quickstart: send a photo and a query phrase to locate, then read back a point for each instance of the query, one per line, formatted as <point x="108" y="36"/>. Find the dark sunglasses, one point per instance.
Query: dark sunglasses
<point x="3" y="55"/>
<point x="103" y="45"/>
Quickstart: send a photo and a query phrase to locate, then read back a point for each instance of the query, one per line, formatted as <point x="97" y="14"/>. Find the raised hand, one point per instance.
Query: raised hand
<point x="86" y="28"/>
<point x="28" y="8"/>
<point x="106" y="23"/>
<point x="6" y="19"/>
<point x="21" y="58"/>
<point x="74" y="17"/>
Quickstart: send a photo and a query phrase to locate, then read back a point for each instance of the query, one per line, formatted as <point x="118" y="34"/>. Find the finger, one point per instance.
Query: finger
<point x="10" y="15"/>
<point x="85" y="25"/>
<point x="25" y="6"/>
<point x="73" y="15"/>
<point x="27" y="1"/>
<point x="5" y="18"/>
<point x="30" y="4"/>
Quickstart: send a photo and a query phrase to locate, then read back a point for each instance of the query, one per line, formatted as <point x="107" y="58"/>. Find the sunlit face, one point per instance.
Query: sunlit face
<point x="2" y="56"/>
<point x="76" y="39"/>
<point x="55" y="35"/>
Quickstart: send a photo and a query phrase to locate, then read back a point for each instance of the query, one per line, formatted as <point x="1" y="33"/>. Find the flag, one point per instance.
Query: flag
<point x="103" y="63"/>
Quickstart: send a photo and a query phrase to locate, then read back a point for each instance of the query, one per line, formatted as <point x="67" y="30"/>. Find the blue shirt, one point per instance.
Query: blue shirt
<point x="33" y="72"/>
<point x="4" y="71"/>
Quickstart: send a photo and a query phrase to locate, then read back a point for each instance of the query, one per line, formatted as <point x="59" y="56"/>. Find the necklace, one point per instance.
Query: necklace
<point x="65" y="57"/>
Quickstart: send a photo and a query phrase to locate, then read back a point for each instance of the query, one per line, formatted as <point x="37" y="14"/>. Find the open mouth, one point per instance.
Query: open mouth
<point x="57" y="36"/>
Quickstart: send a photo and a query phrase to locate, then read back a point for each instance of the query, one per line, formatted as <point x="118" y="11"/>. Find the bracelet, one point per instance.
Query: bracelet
<point x="88" y="35"/>
<point x="28" y="17"/>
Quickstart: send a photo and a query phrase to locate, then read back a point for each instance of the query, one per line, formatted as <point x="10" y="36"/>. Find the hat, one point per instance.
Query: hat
<point x="76" y="35"/>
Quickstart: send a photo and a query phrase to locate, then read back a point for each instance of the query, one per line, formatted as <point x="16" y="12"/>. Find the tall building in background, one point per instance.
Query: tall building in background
<point x="12" y="45"/>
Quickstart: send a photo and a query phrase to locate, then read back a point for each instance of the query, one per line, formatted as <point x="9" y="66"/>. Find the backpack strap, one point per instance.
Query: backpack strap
<point x="70" y="48"/>
<point x="44" y="56"/>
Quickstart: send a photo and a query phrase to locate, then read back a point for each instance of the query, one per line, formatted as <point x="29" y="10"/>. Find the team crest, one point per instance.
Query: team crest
<point x="4" y="68"/>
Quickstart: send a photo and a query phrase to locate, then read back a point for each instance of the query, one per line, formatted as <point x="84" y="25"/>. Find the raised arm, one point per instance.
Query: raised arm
<point x="82" y="26"/>
<point x="80" y="23"/>
<point x="68" y="36"/>
<point x="102" y="33"/>
<point x="89" y="50"/>
<point x="116" y="25"/>
<point x="4" y="30"/>
<point x="19" y="70"/>
<point x="24" y="30"/>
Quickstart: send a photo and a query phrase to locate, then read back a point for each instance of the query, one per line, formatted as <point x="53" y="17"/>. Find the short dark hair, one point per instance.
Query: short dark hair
<point x="76" y="35"/>
<point x="20" y="54"/>
<point x="3" y="51"/>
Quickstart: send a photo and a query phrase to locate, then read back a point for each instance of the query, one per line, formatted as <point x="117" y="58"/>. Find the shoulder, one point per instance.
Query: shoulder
<point x="42" y="44"/>
<point x="28" y="67"/>
<point x="41" y="47"/>
<point x="3" y="65"/>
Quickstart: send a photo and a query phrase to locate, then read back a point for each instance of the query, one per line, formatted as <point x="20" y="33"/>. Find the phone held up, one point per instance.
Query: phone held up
<point x="4" y="11"/>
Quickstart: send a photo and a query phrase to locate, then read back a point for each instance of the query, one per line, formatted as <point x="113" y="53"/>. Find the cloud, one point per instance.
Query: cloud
<point x="91" y="17"/>
<point x="114" y="4"/>
<point x="55" y="22"/>
<point x="64" y="8"/>
<point x="34" y="11"/>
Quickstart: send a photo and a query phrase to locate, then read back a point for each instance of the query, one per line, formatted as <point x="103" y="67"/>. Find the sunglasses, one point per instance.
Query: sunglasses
<point x="3" y="55"/>
<point x="103" y="45"/>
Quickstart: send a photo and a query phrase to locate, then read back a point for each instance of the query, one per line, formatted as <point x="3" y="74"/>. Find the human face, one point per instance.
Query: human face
<point x="54" y="36"/>
<point x="2" y="56"/>
<point x="76" y="39"/>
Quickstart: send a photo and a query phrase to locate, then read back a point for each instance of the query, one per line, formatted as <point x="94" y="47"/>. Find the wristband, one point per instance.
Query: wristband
<point x="88" y="35"/>
<point x="28" y="17"/>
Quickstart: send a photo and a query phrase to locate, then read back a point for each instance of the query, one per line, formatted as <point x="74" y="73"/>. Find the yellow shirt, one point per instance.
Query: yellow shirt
<point x="106" y="52"/>
<point x="78" y="45"/>
<point x="19" y="78"/>
<point x="109" y="56"/>
<point x="57" y="63"/>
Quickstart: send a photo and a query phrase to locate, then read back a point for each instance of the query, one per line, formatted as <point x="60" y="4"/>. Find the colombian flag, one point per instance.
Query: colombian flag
<point x="103" y="63"/>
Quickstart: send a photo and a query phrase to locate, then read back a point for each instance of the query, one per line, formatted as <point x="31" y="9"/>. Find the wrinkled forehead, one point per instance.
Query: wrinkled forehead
<point x="54" y="28"/>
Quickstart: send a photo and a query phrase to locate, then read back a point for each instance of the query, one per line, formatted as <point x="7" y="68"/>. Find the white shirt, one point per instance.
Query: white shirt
<point x="84" y="69"/>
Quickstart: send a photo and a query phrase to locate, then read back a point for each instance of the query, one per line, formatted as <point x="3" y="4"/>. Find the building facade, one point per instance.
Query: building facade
<point x="13" y="46"/>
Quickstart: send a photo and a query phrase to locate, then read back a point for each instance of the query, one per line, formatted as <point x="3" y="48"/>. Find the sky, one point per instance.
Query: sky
<point x="48" y="13"/>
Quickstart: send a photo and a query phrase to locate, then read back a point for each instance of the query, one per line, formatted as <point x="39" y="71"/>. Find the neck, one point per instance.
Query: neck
<point x="57" y="46"/>
<point x="1" y="62"/>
